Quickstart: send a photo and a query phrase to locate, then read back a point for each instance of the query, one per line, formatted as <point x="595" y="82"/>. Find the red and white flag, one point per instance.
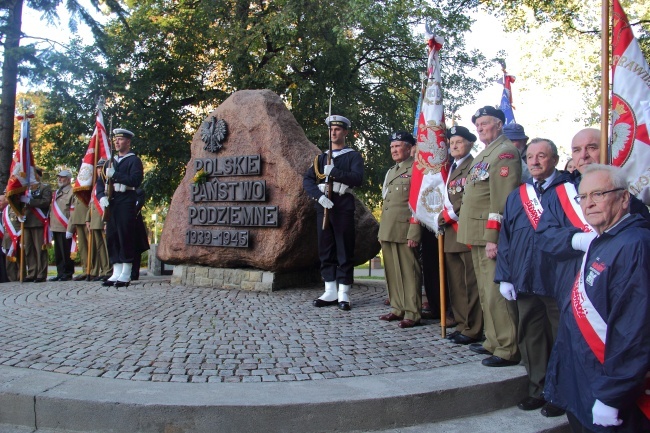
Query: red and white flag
<point x="431" y="165"/>
<point x="98" y="148"/>
<point x="22" y="169"/>
<point x="630" y="102"/>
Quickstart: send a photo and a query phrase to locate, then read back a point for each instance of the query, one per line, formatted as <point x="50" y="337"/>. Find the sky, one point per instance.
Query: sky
<point x="543" y="113"/>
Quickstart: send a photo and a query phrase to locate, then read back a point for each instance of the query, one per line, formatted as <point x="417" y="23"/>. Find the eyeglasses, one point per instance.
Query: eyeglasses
<point x="596" y="196"/>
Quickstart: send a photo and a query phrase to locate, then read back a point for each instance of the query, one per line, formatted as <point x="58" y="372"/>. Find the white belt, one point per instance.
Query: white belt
<point x="336" y="187"/>
<point x="120" y="187"/>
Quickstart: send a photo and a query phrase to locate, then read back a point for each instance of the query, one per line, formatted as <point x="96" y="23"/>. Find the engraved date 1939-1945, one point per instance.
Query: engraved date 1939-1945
<point x="217" y="238"/>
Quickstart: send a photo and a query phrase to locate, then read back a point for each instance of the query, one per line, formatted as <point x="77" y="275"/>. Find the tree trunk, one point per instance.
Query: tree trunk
<point x="12" y="57"/>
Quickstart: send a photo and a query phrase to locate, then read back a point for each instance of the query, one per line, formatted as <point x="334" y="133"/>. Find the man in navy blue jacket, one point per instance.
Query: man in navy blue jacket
<point x="599" y="366"/>
<point x="520" y="277"/>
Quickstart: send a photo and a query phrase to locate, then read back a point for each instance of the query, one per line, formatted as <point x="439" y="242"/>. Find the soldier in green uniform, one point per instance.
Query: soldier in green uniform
<point x="495" y="172"/>
<point x="77" y="224"/>
<point x="37" y="205"/>
<point x="463" y="288"/>
<point x="399" y="235"/>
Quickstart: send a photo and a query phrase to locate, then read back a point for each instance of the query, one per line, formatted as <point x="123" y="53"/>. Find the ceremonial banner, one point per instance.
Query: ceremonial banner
<point x="431" y="166"/>
<point x="630" y="94"/>
<point x="98" y="148"/>
<point x="506" y="97"/>
<point x="22" y="169"/>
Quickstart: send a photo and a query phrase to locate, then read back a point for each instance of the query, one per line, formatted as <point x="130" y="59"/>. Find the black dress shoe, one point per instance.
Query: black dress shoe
<point x="495" y="361"/>
<point x="478" y="348"/>
<point x="320" y="303"/>
<point x="345" y="306"/>
<point x="39" y="280"/>
<point x="464" y="339"/>
<point x="55" y="278"/>
<point x="531" y="403"/>
<point x="108" y="283"/>
<point x="28" y="280"/>
<point x="97" y="279"/>
<point x="79" y="277"/>
<point x="550" y="410"/>
<point x="452" y="335"/>
<point x="66" y="278"/>
<point x="119" y="283"/>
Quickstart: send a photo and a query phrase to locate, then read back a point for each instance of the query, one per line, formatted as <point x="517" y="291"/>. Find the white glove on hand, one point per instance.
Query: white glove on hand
<point x="24" y="199"/>
<point x="21" y="218"/>
<point x="103" y="202"/>
<point x="581" y="241"/>
<point x="343" y="188"/>
<point x="507" y="291"/>
<point x="322" y="187"/>
<point x="605" y="415"/>
<point x="328" y="169"/>
<point x="110" y="171"/>
<point x="325" y="202"/>
<point x="68" y="235"/>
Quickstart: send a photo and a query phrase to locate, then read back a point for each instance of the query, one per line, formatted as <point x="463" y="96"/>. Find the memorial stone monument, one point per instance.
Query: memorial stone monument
<point x="240" y="218"/>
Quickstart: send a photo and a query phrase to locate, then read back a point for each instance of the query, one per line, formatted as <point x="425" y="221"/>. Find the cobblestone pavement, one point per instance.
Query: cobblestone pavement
<point x="153" y="331"/>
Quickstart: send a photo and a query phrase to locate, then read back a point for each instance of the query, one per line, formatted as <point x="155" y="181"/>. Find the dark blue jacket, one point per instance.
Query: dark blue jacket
<point x="518" y="258"/>
<point x="617" y="281"/>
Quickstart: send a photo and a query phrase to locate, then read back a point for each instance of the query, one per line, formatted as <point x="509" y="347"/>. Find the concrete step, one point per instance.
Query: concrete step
<point x="441" y="399"/>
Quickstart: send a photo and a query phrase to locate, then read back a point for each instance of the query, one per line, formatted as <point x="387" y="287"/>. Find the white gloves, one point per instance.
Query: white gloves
<point x="103" y="202"/>
<point x="507" y="291"/>
<point x="581" y="241"/>
<point x="68" y="235"/>
<point x="24" y="199"/>
<point x="342" y="189"/>
<point x="328" y="169"/>
<point x="322" y="187"/>
<point x="21" y="218"/>
<point x="605" y="415"/>
<point x="325" y="202"/>
<point x="110" y="171"/>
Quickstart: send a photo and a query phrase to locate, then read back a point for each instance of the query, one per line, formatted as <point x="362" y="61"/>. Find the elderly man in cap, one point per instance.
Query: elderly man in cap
<point x="36" y="228"/>
<point x="61" y="228"/>
<point x="399" y="235"/>
<point x="124" y="173"/>
<point x="495" y="172"/>
<point x="100" y="269"/>
<point x="463" y="288"/>
<point x="515" y="132"/>
<point x="599" y="369"/>
<point x="336" y="240"/>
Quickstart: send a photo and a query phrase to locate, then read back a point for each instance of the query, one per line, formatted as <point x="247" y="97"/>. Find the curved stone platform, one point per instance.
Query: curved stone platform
<point x="76" y="356"/>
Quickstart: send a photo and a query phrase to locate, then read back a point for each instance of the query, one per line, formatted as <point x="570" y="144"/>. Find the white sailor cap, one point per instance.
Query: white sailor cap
<point x="335" y="120"/>
<point x="119" y="132"/>
<point x="64" y="172"/>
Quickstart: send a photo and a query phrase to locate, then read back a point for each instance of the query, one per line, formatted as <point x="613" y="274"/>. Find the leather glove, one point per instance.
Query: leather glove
<point x="581" y="241"/>
<point x="68" y="235"/>
<point x="507" y="290"/>
<point x="343" y="189"/>
<point x="328" y="169"/>
<point x="110" y="171"/>
<point x="103" y="202"/>
<point x="325" y="202"/>
<point x="24" y="199"/>
<point x="605" y="415"/>
<point x="21" y="218"/>
<point x="322" y="187"/>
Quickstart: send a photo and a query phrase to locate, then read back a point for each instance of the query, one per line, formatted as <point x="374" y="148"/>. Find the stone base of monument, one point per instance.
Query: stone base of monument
<point x="243" y="279"/>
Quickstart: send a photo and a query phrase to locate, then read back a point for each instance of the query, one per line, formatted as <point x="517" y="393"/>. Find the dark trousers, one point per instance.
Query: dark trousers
<point x="120" y="229"/>
<point x="64" y="264"/>
<point x="336" y="246"/>
<point x="430" y="270"/>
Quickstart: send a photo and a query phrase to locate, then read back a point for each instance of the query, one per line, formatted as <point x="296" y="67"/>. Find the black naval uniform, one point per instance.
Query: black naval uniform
<point x="336" y="242"/>
<point x="120" y="227"/>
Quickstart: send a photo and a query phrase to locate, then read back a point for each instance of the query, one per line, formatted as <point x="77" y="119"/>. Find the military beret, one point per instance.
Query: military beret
<point x="119" y="132"/>
<point x="462" y="132"/>
<point x="514" y="131"/>
<point x="335" y="120"/>
<point x="101" y="162"/>
<point x="64" y="173"/>
<point x="489" y="111"/>
<point x="402" y="136"/>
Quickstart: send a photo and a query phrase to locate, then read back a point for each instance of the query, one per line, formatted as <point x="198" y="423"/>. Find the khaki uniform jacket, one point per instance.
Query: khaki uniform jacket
<point x="395" y="225"/>
<point x="78" y="215"/>
<point x="63" y="197"/>
<point x="94" y="217"/>
<point x="495" y="174"/>
<point x="6" y="240"/>
<point x="451" y="243"/>
<point x="41" y="198"/>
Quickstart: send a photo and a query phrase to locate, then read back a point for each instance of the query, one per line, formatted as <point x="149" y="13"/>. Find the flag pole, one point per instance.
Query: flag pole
<point x="604" y="83"/>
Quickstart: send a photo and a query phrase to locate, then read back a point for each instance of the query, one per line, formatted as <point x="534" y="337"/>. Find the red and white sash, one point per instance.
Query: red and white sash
<point x="95" y="201"/>
<point x="532" y="204"/>
<point x="566" y="192"/>
<point x="13" y="234"/>
<point x="47" y="233"/>
<point x="594" y="329"/>
<point x="59" y="214"/>
<point x="448" y="211"/>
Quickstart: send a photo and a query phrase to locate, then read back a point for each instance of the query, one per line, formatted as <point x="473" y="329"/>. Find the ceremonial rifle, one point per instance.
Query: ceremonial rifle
<point x="108" y="182"/>
<point x="328" y="181"/>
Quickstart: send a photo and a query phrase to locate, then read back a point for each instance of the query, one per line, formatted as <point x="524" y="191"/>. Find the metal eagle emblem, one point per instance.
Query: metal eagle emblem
<point x="213" y="133"/>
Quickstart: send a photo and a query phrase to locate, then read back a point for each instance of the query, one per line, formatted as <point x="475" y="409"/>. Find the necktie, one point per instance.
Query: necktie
<point x="539" y="188"/>
<point x="453" y="167"/>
